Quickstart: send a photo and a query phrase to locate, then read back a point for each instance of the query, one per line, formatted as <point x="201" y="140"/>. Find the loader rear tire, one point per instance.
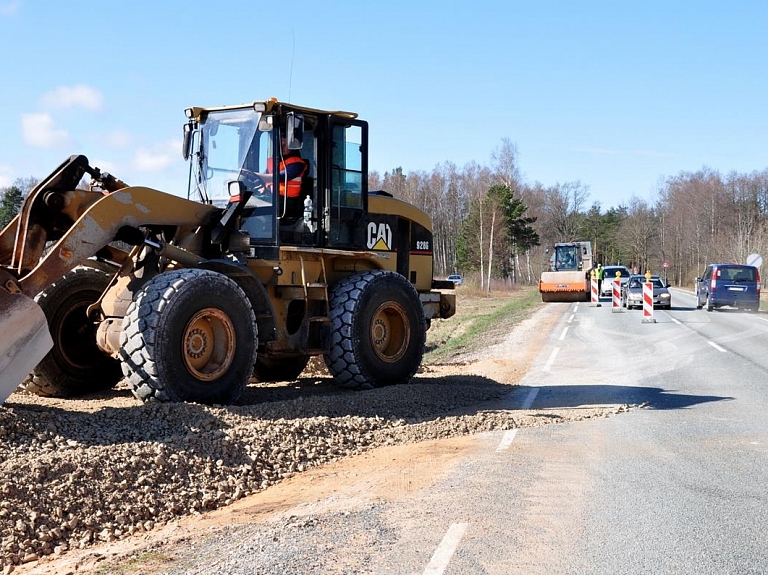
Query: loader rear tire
<point x="75" y="366"/>
<point x="288" y="369"/>
<point x="189" y="335"/>
<point x="377" y="330"/>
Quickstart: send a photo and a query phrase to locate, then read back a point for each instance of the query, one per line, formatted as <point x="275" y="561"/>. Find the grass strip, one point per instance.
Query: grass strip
<point x="489" y="320"/>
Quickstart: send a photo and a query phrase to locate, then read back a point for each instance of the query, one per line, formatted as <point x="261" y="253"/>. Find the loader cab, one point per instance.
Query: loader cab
<point x="333" y="203"/>
<point x="251" y="144"/>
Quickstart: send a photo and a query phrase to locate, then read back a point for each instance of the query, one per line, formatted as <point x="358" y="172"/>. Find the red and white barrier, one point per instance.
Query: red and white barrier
<point x="595" y="298"/>
<point x="648" y="303"/>
<point x="616" y="302"/>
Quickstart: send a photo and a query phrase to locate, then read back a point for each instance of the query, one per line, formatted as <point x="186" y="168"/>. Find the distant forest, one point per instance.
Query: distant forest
<point x="492" y="226"/>
<point x="696" y="218"/>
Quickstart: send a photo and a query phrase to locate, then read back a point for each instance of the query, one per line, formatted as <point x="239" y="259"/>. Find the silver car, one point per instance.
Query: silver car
<point x="632" y="292"/>
<point x="609" y="275"/>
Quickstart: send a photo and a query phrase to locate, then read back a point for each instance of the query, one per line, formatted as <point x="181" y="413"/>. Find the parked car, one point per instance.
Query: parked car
<point x="728" y="285"/>
<point x="456" y="279"/>
<point x="609" y="275"/>
<point x="632" y="292"/>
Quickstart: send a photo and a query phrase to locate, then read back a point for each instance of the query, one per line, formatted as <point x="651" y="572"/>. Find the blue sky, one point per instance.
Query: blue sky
<point x="615" y="95"/>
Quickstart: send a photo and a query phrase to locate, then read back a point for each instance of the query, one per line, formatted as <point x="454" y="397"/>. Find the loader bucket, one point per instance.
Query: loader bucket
<point x="24" y="340"/>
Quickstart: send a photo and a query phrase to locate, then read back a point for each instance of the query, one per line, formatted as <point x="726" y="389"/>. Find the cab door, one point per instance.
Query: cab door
<point x="346" y="190"/>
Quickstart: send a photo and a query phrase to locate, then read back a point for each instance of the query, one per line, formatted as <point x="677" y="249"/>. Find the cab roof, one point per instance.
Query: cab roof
<point x="273" y="105"/>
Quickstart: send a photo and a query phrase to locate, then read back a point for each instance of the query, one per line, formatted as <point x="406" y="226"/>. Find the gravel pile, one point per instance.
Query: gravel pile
<point x="80" y="472"/>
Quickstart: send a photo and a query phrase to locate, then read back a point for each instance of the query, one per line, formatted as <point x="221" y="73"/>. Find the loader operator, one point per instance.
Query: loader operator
<point x="292" y="170"/>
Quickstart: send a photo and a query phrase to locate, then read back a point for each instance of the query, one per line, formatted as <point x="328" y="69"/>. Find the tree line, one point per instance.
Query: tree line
<point x="490" y="224"/>
<point x="487" y="222"/>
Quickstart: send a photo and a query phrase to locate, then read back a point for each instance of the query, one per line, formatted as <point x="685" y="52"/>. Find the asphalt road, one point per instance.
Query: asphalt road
<point x="677" y="486"/>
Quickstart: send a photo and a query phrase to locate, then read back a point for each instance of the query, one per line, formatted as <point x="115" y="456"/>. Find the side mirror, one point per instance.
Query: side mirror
<point x="236" y="189"/>
<point x="697" y="279"/>
<point x="187" y="142"/>
<point x="294" y="131"/>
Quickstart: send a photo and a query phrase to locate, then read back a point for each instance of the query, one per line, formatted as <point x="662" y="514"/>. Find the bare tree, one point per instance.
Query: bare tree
<point x="505" y="165"/>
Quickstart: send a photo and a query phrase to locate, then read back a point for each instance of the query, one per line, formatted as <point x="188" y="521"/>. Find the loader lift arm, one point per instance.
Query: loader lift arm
<point x="82" y="223"/>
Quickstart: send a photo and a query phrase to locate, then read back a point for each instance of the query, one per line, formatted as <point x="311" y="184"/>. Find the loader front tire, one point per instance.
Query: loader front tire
<point x="189" y="335"/>
<point x="75" y="365"/>
<point x="377" y="332"/>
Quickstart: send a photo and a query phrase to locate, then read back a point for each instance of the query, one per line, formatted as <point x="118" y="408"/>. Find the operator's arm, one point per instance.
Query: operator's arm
<point x="290" y="169"/>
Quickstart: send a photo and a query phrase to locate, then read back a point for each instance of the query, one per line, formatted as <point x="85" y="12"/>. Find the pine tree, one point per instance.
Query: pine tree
<point x="494" y="233"/>
<point x="13" y="198"/>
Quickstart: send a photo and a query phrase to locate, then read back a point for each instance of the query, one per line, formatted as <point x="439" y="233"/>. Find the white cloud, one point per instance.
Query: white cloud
<point x="119" y="139"/>
<point x="156" y="157"/>
<point x="81" y="96"/>
<point x="39" y="130"/>
<point x="8" y="9"/>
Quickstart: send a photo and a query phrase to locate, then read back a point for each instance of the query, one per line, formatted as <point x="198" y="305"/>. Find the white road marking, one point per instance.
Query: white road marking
<point x="562" y="335"/>
<point x="717" y="347"/>
<point x="506" y="441"/>
<point x="445" y="550"/>
<point x="762" y="318"/>
<point x="570" y="319"/>
<point x="676" y="321"/>
<point x="551" y="360"/>
<point x="529" y="400"/>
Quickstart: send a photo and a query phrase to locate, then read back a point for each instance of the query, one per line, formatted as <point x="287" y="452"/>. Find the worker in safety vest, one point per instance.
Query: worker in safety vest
<point x="292" y="169"/>
<point x="600" y="276"/>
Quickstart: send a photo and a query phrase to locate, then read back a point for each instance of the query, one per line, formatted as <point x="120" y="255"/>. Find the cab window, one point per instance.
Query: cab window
<point x="347" y="167"/>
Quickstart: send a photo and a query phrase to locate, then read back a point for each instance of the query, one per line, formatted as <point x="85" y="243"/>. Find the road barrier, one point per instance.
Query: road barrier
<point x="616" y="303"/>
<point x="595" y="297"/>
<point x="648" y="303"/>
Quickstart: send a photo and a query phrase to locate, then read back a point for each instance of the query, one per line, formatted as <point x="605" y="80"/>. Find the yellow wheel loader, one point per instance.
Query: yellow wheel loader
<point x="250" y="275"/>
<point x="568" y="277"/>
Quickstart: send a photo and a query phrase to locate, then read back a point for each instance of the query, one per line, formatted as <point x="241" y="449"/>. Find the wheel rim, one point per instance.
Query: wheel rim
<point x="390" y="332"/>
<point x="208" y="345"/>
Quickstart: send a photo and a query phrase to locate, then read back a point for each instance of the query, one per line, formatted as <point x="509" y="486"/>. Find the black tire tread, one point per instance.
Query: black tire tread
<point x="346" y="359"/>
<point x="51" y="378"/>
<point x="143" y="322"/>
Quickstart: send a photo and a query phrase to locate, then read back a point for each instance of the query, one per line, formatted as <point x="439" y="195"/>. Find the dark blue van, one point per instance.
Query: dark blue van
<point x="728" y="284"/>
